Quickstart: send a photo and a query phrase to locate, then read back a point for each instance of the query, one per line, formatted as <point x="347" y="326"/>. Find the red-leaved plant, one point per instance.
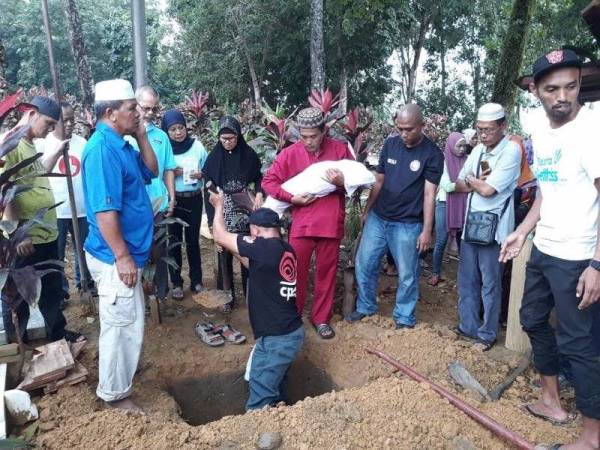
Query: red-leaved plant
<point x="355" y="128"/>
<point x="326" y="102"/>
<point x="197" y="104"/>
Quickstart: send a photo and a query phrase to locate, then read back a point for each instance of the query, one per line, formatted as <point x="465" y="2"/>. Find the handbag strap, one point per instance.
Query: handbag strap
<point x="506" y="203"/>
<point x="476" y="176"/>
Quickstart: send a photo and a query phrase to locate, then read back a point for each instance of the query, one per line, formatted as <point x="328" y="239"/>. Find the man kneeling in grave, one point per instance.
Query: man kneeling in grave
<point x="275" y="321"/>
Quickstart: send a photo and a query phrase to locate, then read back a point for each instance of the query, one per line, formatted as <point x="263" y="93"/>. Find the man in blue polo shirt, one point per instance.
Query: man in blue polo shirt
<point x="161" y="189"/>
<point x="399" y="215"/>
<point x="118" y="245"/>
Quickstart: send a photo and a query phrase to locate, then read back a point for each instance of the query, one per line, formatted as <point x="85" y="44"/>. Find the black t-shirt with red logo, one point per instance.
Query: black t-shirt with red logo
<point x="271" y="285"/>
<point x="406" y="169"/>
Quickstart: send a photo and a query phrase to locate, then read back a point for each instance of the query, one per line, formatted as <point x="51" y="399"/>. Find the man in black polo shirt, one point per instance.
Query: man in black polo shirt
<point x="275" y="321"/>
<point x="399" y="215"/>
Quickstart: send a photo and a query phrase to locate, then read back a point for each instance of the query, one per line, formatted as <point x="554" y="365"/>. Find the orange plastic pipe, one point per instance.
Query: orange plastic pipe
<point x="485" y="420"/>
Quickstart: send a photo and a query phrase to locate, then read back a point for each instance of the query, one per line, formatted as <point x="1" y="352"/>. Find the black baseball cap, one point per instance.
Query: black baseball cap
<point x="46" y="106"/>
<point x="556" y="59"/>
<point x="264" y="217"/>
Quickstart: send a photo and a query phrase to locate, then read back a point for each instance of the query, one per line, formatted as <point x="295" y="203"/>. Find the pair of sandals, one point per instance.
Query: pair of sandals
<point x="215" y="336"/>
<point x="177" y="292"/>
<point x="478" y="344"/>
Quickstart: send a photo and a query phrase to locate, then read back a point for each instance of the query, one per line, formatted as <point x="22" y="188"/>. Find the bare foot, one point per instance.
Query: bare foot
<point x="551" y="411"/>
<point x="127" y="405"/>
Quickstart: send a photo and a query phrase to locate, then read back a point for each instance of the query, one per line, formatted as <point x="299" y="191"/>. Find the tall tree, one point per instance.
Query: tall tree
<point x="84" y="73"/>
<point x="511" y="58"/>
<point x="317" y="46"/>
<point x="3" y="84"/>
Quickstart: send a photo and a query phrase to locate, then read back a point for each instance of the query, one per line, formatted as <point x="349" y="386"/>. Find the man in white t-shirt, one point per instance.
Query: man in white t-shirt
<point x="564" y="269"/>
<point x="48" y="146"/>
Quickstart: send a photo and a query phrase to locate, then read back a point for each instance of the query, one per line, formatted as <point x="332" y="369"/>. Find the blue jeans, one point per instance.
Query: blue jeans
<point x="401" y="238"/>
<point x="65" y="227"/>
<point x="441" y="237"/>
<point x="479" y="279"/>
<point x="271" y="360"/>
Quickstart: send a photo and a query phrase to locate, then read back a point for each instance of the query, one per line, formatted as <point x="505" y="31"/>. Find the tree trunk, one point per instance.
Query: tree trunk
<point x="409" y="64"/>
<point x="509" y="65"/>
<point x="3" y="83"/>
<point x="444" y="75"/>
<point x="317" y="46"/>
<point x="239" y="38"/>
<point x="254" y="78"/>
<point x="343" y="105"/>
<point x="477" y="85"/>
<point x="84" y="73"/>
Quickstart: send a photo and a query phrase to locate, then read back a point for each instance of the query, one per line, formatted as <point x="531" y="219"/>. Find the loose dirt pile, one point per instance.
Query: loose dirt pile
<point x="376" y="408"/>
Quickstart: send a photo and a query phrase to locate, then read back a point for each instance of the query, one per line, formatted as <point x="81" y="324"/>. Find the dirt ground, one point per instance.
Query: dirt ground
<point x="371" y="407"/>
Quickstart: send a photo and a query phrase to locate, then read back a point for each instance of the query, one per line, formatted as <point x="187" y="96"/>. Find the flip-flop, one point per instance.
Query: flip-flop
<point x="325" y="331"/>
<point x="461" y="334"/>
<point x="484" y="346"/>
<point x="569" y="419"/>
<point x="205" y="331"/>
<point x="230" y="334"/>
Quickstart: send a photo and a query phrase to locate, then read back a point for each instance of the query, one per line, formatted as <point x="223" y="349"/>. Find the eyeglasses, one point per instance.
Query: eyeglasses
<point x="228" y="139"/>
<point x="486" y="131"/>
<point x="153" y="109"/>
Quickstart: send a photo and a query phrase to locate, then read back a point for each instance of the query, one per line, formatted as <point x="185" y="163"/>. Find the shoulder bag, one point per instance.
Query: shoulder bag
<point x="481" y="226"/>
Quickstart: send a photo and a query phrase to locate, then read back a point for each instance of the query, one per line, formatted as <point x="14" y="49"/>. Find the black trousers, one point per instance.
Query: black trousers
<point x="50" y="297"/>
<point x="189" y="209"/>
<point x="550" y="283"/>
<point x="229" y="269"/>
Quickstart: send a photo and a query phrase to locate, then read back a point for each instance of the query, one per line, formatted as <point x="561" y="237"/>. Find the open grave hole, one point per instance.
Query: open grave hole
<point x="206" y="399"/>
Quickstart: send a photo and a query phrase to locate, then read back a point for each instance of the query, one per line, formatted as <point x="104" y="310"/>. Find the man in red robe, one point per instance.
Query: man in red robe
<point x="317" y="223"/>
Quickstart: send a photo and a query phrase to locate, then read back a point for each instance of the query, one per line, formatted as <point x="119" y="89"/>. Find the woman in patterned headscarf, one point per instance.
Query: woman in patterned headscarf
<point x="234" y="167"/>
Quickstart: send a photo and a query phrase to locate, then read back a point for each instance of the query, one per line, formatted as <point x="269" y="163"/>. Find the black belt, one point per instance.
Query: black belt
<point x="187" y="194"/>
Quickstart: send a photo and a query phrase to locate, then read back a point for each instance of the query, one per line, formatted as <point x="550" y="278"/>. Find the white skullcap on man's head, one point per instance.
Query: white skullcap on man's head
<point x="490" y="111"/>
<point x="112" y="90"/>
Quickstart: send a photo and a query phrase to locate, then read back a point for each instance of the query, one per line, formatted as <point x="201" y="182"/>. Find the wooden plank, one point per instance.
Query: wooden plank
<point x="155" y="309"/>
<point x="75" y="376"/>
<point x="49" y="363"/>
<point x="516" y="338"/>
<point x="9" y="350"/>
<point x="76" y="348"/>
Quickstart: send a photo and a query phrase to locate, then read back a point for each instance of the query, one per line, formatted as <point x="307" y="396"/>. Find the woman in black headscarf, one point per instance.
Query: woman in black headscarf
<point x="190" y="157"/>
<point x="234" y="167"/>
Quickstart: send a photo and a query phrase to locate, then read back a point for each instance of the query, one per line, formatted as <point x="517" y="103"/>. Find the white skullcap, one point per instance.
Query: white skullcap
<point x="111" y="90"/>
<point x="490" y="112"/>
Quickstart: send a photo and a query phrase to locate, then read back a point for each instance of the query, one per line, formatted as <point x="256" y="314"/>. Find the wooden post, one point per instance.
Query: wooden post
<point x="516" y="338"/>
<point x="155" y="313"/>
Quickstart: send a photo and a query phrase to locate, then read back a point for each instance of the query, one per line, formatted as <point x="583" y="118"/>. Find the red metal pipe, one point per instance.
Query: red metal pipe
<point x="485" y="420"/>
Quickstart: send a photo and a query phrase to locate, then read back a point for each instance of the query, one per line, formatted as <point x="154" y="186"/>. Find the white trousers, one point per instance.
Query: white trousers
<point x="121" y="330"/>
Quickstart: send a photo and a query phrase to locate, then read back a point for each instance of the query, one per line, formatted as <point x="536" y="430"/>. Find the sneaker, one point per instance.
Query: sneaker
<point x="401" y="326"/>
<point x="198" y="288"/>
<point x="356" y="316"/>
<point x="177" y="293"/>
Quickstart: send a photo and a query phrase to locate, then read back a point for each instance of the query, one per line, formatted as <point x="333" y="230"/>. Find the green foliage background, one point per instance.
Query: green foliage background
<point x="197" y="44"/>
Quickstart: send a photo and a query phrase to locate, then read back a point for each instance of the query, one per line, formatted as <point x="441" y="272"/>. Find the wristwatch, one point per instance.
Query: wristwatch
<point x="595" y="264"/>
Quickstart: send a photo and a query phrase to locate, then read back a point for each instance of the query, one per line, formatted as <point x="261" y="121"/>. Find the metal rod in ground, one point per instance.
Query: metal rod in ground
<point x="83" y="270"/>
<point x="485" y="420"/>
